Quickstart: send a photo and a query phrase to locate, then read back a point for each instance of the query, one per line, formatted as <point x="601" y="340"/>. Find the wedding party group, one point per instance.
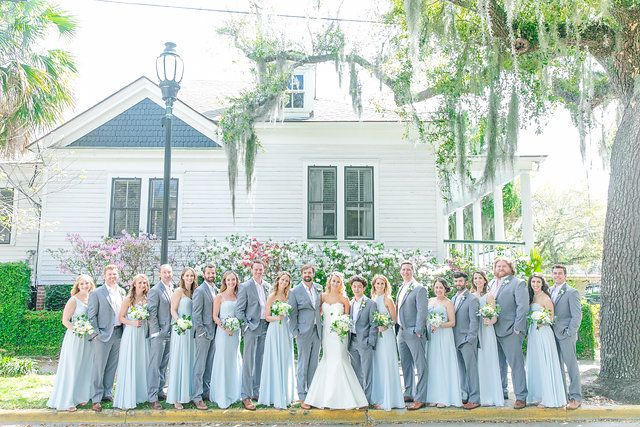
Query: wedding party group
<point x="182" y="344"/>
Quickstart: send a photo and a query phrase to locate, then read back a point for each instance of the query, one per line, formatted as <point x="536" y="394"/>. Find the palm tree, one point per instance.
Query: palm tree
<point x="34" y="82"/>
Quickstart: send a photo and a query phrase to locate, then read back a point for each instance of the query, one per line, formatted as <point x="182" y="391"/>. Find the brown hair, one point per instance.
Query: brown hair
<point x="132" y="289"/>
<point x="444" y="283"/>
<point x="406" y="261"/>
<point x="76" y="285"/>
<point x="356" y="278"/>
<point x="182" y="284"/>
<point x="211" y="266"/>
<point x="306" y="266"/>
<point x="387" y="286"/>
<point x="560" y="266"/>
<point x="507" y="261"/>
<point x="223" y="285"/>
<point x="484" y="277"/>
<point x="276" y="285"/>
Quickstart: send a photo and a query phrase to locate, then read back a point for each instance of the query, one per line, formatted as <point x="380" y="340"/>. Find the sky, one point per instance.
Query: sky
<point x="118" y="42"/>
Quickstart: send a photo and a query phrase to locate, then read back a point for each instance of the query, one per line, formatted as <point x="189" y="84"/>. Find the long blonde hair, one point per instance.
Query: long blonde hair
<point x="132" y="289"/>
<point x="276" y="285"/>
<point x="387" y="286"/>
<point x="327" y="287"/>
<point x="76" y="285"/>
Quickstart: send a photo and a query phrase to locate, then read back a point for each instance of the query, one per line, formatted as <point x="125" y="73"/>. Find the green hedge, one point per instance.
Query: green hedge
<point x="15" y="279"/>
<point x="56" y="296"/>
<point x="586" y="345"/>
<point x="41" y="334"/>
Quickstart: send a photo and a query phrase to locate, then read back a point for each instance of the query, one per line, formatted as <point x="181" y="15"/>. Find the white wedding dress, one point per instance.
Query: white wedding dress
<point x="334" y="384"/>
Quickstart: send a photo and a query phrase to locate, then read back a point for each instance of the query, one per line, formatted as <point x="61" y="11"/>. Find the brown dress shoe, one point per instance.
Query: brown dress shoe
<point x="156" y="405"/>
<point x="519" y="404"/>
<point x="97" y="407"/>
<point x="248" y="405"/>
<point x="304" y="405"/>
<point x="200" y="405"/>
<point x="573" y="405"/>
<point x="415" y="406"/>
<point x="470" y="405"/>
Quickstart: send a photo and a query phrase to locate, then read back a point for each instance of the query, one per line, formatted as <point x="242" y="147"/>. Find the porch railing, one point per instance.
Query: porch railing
<point x="482" y="252"/>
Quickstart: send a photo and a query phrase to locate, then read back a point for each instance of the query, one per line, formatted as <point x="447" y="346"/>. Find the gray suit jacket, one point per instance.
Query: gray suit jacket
<point x="466" y="328"/>
<point x="303" y="313"/>
<point x="366" y="328"/>
<point x="101" y="314"/>
<point x="567" y="313"/>
<point x="248" y="304"/>
<point x="159" y="303"/>
<point x="202" y="315"/>
<point x="414" y="310"/>
<point x="513" y="299"/>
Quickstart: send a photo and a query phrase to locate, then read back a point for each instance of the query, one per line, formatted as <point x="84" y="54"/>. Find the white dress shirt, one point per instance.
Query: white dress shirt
<point x="115" y="301"/>
<point x="261" y="297"/>
<point x="357" y="304"/>
<point x="312" y="295"/>
<point x="555" y="291"/>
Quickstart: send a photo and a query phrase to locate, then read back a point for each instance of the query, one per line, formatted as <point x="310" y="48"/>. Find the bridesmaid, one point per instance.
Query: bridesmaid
<point x="488" y="365"/>
<point x="71" y="387"/>
<point x="278" y="382"/>
<point x="226" y="373"/>
<point x="182" y="351"/>
<point x="544" y="378"/>
<point x="443" y="382"/>
<point x="386" y="390"/>
<point x="131" y="385"/>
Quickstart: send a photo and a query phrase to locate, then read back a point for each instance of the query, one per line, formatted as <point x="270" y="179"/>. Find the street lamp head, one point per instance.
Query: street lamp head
<point x="169" y="68"/>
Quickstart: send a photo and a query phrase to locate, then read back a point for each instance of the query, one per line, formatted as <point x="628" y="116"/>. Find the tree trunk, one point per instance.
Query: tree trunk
<point x="620" y="311"/>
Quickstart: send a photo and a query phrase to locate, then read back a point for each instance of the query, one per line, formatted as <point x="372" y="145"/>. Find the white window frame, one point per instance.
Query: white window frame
<point x="308" y="74"/>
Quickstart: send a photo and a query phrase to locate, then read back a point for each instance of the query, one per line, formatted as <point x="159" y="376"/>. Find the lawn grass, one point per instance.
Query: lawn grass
<point x="27" y="392"/>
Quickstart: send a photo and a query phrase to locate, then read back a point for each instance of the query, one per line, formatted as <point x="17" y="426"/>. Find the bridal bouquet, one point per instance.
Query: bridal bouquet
<point x="436" y="319"/>
<point x="138" y="312"/>
<point x="342" y="326"/>
<point x="231" y="324"/>
<point x="487" y="311"/>
<point x="82" y="326"/>
<point x="382" y="320"/>
<point x="280" y="308"/>
<point x="182" y="324"/>
<point x="541" y="317"/>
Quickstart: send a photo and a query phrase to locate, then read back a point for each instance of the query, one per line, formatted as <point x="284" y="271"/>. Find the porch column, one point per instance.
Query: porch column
<point x="460" y="228"/>
<point x="527" y="212"/>
<point x="477" y="230"/>
<point x="498" y="214"/>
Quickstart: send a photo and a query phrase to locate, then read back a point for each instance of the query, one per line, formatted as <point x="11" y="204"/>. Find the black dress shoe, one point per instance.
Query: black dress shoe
<point x="506" y="396"/>
<point x="464" y="401"/>
<point x="408" y="399"/>
<point x="162" y="396"/>
<point x="107" y="399"/>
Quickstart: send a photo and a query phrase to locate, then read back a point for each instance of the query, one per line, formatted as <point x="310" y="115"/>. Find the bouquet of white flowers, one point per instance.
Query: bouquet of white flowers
<point x="341" y="326"/>
<point x="488" y="311"/>
<point x="541" y="317"/>
<point x="138" y="312"/>
<point x="231" y="324"/>
<point x="182" y="324"/>
<point x="82" y="326"/>
<point x="436" y="319"/>
<point x="382" y="320"/>
<point x="280" y="308"/>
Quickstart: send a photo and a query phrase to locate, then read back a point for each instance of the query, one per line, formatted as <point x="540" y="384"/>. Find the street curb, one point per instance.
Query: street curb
<point x="319" y="416"/>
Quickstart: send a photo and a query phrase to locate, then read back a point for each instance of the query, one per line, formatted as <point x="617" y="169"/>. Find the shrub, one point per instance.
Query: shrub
<point x="41" y="334"/>
<point x="15" y="279"/>
<point x="56" y="296"/>
<point x="586" y="345"/>
<point x="15" y="367"/>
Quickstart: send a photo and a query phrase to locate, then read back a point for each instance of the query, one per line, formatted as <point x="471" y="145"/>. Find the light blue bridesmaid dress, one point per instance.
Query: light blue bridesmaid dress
<point x="181" y="360"/>
<point x="488" y="364"/>
<point x="278" y="378"/>
<point x="131" y="384"/>
<point x="74" y="368"/>
<point x="544" y="378"/>
<point x="226" y="373"/>
<point x="386" y="389"/>
<point x="443" y="381"/>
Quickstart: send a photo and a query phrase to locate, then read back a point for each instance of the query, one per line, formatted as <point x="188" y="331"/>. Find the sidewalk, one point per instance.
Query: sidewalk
<point x="317" y="416"/>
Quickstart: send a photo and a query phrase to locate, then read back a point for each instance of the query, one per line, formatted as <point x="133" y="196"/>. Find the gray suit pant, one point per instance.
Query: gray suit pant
<point x="568" y="358"/>
<point x="468" y="367"/>
<point x="158" y="361"/>
<point x="252" y="360"/>
<point x="362" y="362"/>
<point x="308" y="352"/>
<point x="105" y="362"/>
<point x="510" y="352"/>
<point x="412" y="354"/>
<point x="205" y="349"/>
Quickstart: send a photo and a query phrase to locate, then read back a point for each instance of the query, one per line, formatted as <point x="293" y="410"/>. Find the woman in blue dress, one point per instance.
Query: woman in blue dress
<point x="182" y="351"/>
<point x="443" y="381"/>
<point x="488" y="365"/>
<point x="544" y="377"/>
<point x="386" y="390"/>
<point x="226" y="373"/>
<point x="131" y="384"/>
<point x="278" y="381"/>
<point x="72" y="386"/>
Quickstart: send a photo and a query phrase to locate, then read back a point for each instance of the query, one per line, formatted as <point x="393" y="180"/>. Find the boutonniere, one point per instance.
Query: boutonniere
<point x="318" y="289"/>
<point x="122" y="291"/>
<point x="561" y="291"/>
<point x="364" y="303"/>
<point x="410" y="288"/>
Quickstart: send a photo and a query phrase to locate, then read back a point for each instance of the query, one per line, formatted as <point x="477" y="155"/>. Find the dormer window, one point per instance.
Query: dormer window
<point x="295" y="92"/>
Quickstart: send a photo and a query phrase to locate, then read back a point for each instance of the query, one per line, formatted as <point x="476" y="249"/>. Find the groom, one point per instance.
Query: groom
<point x="306" y="326"/>
<point x="412" y="336"/>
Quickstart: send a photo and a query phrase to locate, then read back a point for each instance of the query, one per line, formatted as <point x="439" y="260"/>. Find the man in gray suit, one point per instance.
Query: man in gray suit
<point x="159" y="303"/>
<point x="567" y="318"/>
<point x="512" y="296"/>
<point x="104" y="314"/>
<point x="250" y="310"/>
<point x="465" y="333"/>
<point x="306" y="326"/>
<point x="412" y="336"/>
<point x="205" y="331"/>
<point x="364" y="334"/>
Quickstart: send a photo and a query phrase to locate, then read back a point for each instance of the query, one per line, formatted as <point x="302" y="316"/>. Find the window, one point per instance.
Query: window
<point x="295" y="92"/>
<point x="6" y="213"/>
<point x="156" y="193"/>
<point x="125" y="206"/>
<point x="358" y="203"/>
<point x="322" y="202"/>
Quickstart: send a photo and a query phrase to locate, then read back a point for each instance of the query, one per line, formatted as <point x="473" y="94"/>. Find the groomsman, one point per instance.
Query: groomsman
<point x="412" y="336"/>
<point x="512" y="296"/>
<point x="205" y="331"/>
<point x="567" y="319"/>
<point x="104" y="314"/>
<point x="465" y="333"/>
<point x="364" y="334"/>
<point x="306" y="326"/>
<point x="159" y="303"/>
<point x="250" y="310"/>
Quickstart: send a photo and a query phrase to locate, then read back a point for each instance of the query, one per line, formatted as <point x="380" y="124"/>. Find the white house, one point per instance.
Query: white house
<point x="323" y="174"/>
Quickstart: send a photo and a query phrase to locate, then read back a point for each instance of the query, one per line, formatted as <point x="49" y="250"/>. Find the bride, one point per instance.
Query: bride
<point x="334" y="384"/>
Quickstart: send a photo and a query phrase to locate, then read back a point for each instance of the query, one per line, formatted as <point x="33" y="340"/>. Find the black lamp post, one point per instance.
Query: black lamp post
<point x="169" y="69"/>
